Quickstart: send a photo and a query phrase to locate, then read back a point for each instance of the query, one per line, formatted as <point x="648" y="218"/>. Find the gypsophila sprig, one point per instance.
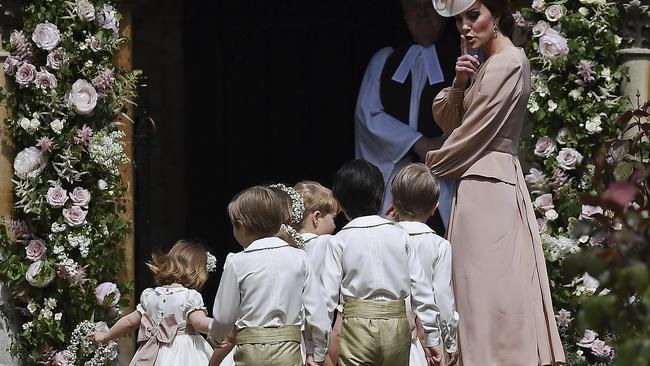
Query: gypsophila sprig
<point x="84" y="351"/>
<point x="68" y="98"/>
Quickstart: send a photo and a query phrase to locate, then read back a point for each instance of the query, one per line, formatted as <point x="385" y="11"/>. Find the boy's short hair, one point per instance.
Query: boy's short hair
<point x="359" y="188"/>
<point x="415" y="190"/>
<point x="315" y="197"/>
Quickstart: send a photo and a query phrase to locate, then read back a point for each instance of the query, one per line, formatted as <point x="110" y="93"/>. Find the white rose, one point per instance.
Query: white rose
<point x="593" y="125"/>
<point x="56" y="197"/>
<point x="552" y="106"/>
<point x="544" y="202"/>
<point x="83" y="97"/>
<point x="45" y="80"/>
<point x="576" y="94"/>
<point x="29" y="163"/>
<point x="25" y="74"/>
<point x="80" y="197"/>
<point x="57" y="126"/>
<point x="562" y="135"/>
<point x="554" y="12"/>
<point x="74" y="216"/>
<point x="34" y="124"/>
<point x="568" y="158"/>
<point x="46" y="36"/>
<point x="583" y="11"/>
<point x="552" y="45"/>
<point x="540" y="28"/>
<point x="25" y="123"/>
<point x="544" y="147"/>
<point x="85" y="10"/>
<point x="551" y="215"/>
<point x="539" y="5"/>
<point x="102" y="185"/>
<point x="57" y="59"/>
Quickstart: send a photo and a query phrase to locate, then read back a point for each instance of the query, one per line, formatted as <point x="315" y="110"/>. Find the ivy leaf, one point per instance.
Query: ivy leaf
<point x="623" y="171"/>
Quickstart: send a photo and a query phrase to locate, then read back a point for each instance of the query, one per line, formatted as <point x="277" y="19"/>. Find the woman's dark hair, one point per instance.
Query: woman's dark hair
<point x="359" y="188"/>
<point x="501" y="9"/>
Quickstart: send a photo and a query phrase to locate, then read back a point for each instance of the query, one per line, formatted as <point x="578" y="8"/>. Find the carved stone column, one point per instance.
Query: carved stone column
<point x="635" y="29"/>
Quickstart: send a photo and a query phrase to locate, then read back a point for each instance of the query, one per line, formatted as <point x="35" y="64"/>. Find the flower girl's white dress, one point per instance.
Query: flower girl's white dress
<point x="164" y="317"/>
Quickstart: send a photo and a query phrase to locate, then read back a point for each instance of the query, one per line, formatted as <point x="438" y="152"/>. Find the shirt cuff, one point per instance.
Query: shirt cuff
<point x="432" y="339"/>
<point x="455" y="97"/>
<point x="319" y="354"/>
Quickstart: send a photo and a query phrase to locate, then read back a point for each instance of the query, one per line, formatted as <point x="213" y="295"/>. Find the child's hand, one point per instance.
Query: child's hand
<point x="452" y="358"/>
<point x="310" y="361"/>
<point x="99" y="337"/>
<point x="434" y="355"/>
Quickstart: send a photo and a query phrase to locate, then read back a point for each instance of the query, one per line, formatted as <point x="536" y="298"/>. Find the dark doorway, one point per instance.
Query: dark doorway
<point x="243" y="93"/>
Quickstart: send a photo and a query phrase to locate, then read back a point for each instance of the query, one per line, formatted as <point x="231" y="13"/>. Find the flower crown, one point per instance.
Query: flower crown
<point x="297" y="204"/>
<point x="300" y="243"/>
<point x="211" y="264"/>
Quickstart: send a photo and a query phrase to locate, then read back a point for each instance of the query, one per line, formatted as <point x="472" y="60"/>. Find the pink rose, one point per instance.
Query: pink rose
<point x="34" y="276"/>
<point x="544" y="147"/>
<point x="45" y="80"/>
<point x="562" y="135"/>
<point x="85" y="10"/>
<point x="587" y="339"/>
<point x="544" y="202"/>
<point x="568" y="158"/>
<point x="35" y="250"/>
<point x="10" y="65"/>
<point x="599" y="349"/>
<point x="56" y="197"/>
<point x="540" y="28"/>
<point x="74" y="216"/>
<point x="105" y="289"/>
<point x="83" y="97"/>
<point x="25" y="74"/>
<point x="542" y="225"/>
<point x="46" y="36"/>
<point x="554" y="12"/>
<point x="588" y="212"/>
<point x="520" y="21"/>
<point x="598" y="238"/>
<point x="57" y="59"/>
<point x="63" y="358"/>
<point x="80" y="197"/>
<point x="552" y="44"/>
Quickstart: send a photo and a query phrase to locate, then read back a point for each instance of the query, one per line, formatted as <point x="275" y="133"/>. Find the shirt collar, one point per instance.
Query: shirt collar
<point x="270" y="242"/>
<point x="367" y="221"/>
<point x="431" y="64"/>
<point x="308" y="236"/>
<point x="415" y="227"/>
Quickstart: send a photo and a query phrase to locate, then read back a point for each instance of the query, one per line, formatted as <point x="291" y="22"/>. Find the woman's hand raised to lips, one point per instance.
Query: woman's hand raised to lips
<point x="466" y="66"/>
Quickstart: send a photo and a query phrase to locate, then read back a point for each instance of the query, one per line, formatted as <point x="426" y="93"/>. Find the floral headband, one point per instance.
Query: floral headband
<point x="211" y="264"/>
<point x="297" y="204"/>
<point x="297" y="211"/>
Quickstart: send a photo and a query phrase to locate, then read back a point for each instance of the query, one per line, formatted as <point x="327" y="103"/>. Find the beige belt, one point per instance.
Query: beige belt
<point x="262" y="335"/>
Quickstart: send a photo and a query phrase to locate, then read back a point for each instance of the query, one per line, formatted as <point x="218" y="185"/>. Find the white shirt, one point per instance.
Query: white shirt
<point x="384" y="140"/>
<point x="372" y="259"/>
<point x="268" y="285"/>
<point x="434" y="254"/>
<point x="316" y="247"/>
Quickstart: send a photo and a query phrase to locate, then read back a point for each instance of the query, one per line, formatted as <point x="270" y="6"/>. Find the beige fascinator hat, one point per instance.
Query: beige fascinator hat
<point x="451" y="8"/>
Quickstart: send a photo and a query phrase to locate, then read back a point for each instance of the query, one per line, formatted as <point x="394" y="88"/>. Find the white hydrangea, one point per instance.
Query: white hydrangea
<point x="558" y="248"/>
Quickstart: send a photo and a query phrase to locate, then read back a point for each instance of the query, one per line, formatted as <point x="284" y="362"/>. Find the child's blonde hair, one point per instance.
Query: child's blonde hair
<point x="260" y="209"/>
<point x="316" y="198"/>
<point x="415" y="190"/>
<point x="185" y="264"/>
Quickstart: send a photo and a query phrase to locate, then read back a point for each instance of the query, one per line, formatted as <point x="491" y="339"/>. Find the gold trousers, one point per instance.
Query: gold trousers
<point x="258" y="346"/>
<point x="375" y="333"/>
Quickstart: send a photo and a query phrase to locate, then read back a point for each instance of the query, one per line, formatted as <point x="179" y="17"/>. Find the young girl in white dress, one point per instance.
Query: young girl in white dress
<point x="172" y="315"/>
